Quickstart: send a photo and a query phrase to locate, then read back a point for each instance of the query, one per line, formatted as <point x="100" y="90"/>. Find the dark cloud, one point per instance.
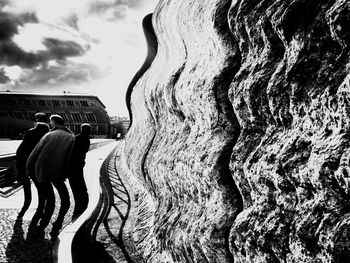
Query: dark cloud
<point x="37" y="69"/>
<point x="59" y="49"/>
<point x="9" y="23"/>
<point x="3" y="77"/>
<point x="4" y="3"/>
<point x="62" y="73"/>
<point x="11" y="54"/>
<point x="118" y="7"/>
<point x="8" y="26"/>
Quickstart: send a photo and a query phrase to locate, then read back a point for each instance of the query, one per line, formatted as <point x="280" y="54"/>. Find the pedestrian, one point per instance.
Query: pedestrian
<point x="76" y="178"/>
<point x="30" y="140"/>
<point x="48" y="162"/>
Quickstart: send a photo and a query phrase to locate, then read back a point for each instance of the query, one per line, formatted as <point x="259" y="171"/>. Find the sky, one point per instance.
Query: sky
<point x="77" y="46"/>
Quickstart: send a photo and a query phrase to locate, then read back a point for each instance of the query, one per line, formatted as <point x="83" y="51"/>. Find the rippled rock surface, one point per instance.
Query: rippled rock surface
<point x="239" y="146"/>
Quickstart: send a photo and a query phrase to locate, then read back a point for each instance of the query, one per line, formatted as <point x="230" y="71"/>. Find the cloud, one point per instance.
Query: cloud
<point x="59" y="49"/>
<point x="53" y="74"/>
<point x="116" y="9"/>
<point x="3" y="77"/>
<point x="75" y="76"/>
<point x="11" y="53"/>
<point x="72" y="21"/>
<point x="8" y="26"/>
<point x="9" y="23"/>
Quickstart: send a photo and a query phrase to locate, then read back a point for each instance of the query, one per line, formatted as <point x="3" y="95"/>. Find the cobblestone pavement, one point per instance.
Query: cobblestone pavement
<point x="16" y="246"/>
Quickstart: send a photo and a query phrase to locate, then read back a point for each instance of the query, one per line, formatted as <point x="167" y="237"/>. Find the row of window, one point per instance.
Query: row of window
<point x="41" y="102"/>
<point x="75" y="116"/>
<point x="95" y="130"/>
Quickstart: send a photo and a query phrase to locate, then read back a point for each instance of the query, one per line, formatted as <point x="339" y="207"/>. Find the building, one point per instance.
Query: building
<point x="119" y="126"/>
<point x="17" y="112"/>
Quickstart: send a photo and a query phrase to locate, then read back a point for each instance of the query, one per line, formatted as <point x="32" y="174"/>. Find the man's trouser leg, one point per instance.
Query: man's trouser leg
<point x="65" y="203"/>
<point x="79" y="190"/>
<point x="48" y="196"/>
<point x="21" y="169"/>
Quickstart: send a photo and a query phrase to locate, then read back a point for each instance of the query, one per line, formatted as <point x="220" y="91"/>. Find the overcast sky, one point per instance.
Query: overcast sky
<point x="85" y="46"/>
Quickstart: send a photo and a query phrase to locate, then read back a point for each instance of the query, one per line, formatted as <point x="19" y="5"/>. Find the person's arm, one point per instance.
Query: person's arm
<point x="87" y="145"/>
<point x="23" y="148"/>
<point x="34" y="156"/>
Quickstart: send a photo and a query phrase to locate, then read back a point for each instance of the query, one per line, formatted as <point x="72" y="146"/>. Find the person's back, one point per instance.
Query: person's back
<point x="80" y="148"/>
<point x="53" y="159"/>
<point x="76" y="178"/>
<point x="30" y="140"/>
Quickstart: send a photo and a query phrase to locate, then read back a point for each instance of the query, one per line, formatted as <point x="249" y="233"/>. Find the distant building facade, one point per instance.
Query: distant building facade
<point x="119" y="126"/>
<point x="17" y="112"/>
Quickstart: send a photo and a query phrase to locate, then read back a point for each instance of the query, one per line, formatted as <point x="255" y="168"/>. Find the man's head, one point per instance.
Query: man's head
<point x="56" y="120"/>
<point x="85" y="128"/>
<point x="41" y="117"/>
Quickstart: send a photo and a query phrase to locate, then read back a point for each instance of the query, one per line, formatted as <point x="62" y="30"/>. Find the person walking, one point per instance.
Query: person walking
<point x="48" y="163"/>
<point x="76" y="178"/>
<point x="30" y="140"/>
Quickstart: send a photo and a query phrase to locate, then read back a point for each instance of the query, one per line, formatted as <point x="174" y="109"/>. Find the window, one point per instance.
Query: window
<point x="42" y="102"/>
<point x="12" y="102"/>
<point x="70" y="103"/>
<point x="77" y="128"/>
<point x="90" y="117"/>
<point x="27" y="102"/>
<point x="56" y="103"/>
<point x="76" y="117"/>
<point x="31" y="116"/>
<point x="18" y="115"/>
<point x="84" y="103"/>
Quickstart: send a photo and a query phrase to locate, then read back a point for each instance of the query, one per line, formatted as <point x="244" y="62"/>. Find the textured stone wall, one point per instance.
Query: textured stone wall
<point x="239" y="146"/>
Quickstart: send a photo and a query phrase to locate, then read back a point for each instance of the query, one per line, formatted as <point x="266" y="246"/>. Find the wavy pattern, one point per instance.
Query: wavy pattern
<point x="294" y="131"/>
<point x="239" y="147"/>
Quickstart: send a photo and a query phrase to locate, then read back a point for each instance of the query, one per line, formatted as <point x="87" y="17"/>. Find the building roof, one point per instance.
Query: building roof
<point x="64" y="94"/>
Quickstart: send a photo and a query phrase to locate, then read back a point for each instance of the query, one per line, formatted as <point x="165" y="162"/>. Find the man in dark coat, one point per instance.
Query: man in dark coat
<point x="30" y="140"/>
<point x="48" y="164"/>
<point x="76" y="178"/>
